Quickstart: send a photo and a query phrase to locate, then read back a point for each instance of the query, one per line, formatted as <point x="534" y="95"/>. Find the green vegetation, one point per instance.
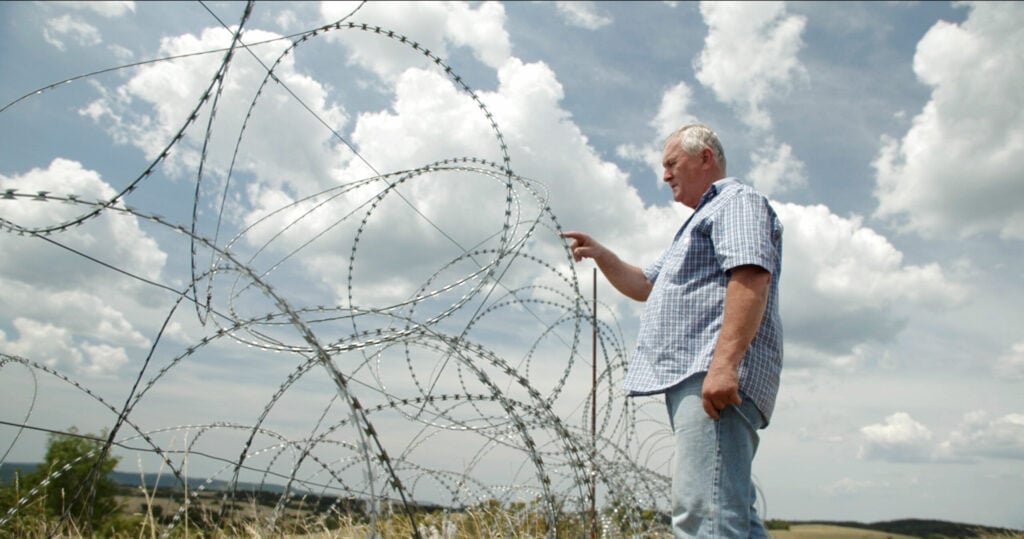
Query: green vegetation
<point x="71" y="494"/>
<point x="208" y="514"/>
<point x="70" y="491"/>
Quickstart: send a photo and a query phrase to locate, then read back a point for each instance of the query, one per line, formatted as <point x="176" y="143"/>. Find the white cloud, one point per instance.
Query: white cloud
<point x="955" y="172"/>
<point x="123" y="54"/>
<point x="860" y="354"/>
<point x="68" y="312"/>
<point x="750" y="55"/>
<point x="287" y="20"/>
<point x="583" y="14"/>
<point x="672" y="114"/>
<point x="87" y="314"/>
<point x="42" y="342"/>
<point x="465" y="207"/>
<point x="66" y="27"/>
<point x="424" y="100"/>
<point x="583" y="188"/>
<point x="482" y="30"/>
<point x="284" y="142"/>
<point x="845" y="285"/>
<point x="103" y="359"/>
<point x="1011" y="364"/>
<point x="106" y="8"/>
<point x="58" y="348"/>
<point x="131" y="249"/>
<point x="980" y="435"/>
<point x="453" y="211"/>
<point x="776" y="169"/>
<point x="434" y="25"/>
<point x="449" y="207"/>
<point x="899" y="439"/>
<point x="750" y="58"/>
<point x="847" y="486"/>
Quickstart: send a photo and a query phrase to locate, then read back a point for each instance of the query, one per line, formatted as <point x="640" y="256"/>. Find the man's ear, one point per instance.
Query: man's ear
<point x="707" y="156"/>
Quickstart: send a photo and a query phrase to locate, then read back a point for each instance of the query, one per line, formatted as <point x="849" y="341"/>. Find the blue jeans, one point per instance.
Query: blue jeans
<point x="713" y="492"/>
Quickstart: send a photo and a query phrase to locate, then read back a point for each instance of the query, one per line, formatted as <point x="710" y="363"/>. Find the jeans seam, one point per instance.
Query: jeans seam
<point x="716" y="490"/>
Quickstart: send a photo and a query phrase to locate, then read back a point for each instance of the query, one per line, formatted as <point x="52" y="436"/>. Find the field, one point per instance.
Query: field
<point x="832" y="531"/>
<point x="159" y="512"/>
<point x="824" y="531"/>
<point x="494" y="521"/>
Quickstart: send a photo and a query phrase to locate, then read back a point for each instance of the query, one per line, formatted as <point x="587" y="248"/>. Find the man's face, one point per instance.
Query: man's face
<point x="684" y="173"/>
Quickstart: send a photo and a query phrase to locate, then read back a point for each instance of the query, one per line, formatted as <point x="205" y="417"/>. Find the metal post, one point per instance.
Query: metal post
<point x="593" y="417"/>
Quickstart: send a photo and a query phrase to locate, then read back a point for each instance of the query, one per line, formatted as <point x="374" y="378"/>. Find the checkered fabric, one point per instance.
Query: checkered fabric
<point x="733" y="225"/>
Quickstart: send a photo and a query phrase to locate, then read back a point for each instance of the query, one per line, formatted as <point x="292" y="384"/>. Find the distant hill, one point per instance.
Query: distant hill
<point x="915" y="527"/>
<point x="7" y="471"/>
<point x="828" y="531"/>
<point x="148" y="480"/>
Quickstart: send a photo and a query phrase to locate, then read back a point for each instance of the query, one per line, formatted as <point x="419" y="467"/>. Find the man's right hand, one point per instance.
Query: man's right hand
<point x="626" y="278"/>
<point x="583" y="246"/>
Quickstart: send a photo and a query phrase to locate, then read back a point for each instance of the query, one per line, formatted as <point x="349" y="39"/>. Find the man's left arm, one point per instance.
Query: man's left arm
<point x="746" y="297"/>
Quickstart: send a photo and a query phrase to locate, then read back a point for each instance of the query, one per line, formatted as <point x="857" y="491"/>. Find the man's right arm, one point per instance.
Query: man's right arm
<point x="626" y="278"/>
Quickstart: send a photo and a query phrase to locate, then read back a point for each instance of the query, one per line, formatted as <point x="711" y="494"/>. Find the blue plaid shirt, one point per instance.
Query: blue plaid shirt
<point x="733" y="225"/>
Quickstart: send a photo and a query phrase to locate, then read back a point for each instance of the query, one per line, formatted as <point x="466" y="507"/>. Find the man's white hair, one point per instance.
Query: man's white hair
<point x="695" y="137"/>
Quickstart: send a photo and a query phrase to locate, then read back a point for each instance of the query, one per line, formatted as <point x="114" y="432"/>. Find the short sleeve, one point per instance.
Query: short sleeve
<point x="746" y="231"/>
<point x="652" y="270"/>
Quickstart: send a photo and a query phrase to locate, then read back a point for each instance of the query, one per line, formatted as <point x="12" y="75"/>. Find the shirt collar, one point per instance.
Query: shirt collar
<point x="708" y="195"/>
<point x="713" y="191"/>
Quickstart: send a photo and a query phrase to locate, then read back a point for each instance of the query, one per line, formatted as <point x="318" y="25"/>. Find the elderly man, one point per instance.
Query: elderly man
<point x="710" y="337"/>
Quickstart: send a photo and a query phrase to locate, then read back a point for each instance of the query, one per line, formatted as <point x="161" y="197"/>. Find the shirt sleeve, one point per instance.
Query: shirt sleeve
<point x="746" y="231"/>
<point x="652" y="270"/>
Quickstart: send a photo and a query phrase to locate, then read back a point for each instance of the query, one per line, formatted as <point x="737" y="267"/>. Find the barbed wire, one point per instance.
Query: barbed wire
<point x="451" y="362"/>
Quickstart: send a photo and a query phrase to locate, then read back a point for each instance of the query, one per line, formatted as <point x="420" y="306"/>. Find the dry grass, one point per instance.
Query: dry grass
<point x="147" y="516"/>
<point x="822" y="531"/>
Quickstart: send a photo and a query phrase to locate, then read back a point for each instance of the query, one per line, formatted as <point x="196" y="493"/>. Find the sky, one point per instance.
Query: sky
<point x="887" y="135"/>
